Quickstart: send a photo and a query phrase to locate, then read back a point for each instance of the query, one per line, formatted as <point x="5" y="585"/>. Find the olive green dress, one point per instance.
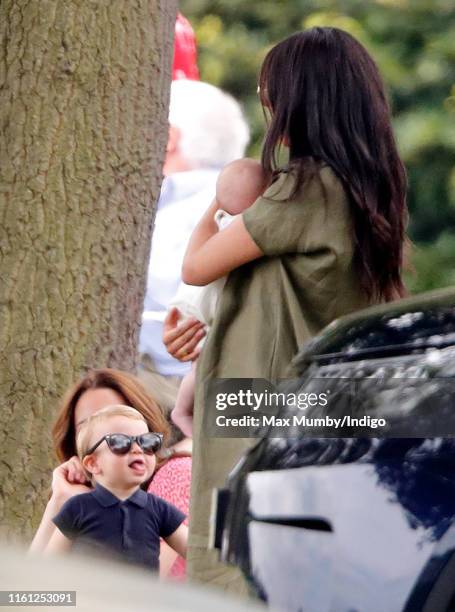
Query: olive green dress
<point x="268" y="309"/>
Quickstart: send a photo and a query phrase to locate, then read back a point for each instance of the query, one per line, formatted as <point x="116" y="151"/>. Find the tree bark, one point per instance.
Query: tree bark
<point x="84" y="88"/>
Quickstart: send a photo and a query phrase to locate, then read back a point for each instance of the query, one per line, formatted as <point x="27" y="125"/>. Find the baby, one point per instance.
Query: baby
<point x="118" y="453"/>
<point x="239" y="184"/>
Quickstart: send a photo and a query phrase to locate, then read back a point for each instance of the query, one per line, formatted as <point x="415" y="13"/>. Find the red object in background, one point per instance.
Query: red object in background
<point x="185" y="65"/>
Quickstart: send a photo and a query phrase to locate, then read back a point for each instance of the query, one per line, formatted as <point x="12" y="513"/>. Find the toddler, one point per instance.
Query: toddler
<point x="239" y="184"/>
<point x="118" y="453"/>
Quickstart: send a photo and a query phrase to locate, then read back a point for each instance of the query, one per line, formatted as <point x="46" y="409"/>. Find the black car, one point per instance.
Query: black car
<point x="364" y="522"/>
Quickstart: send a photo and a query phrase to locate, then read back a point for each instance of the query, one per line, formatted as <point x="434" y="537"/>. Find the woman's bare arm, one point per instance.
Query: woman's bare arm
<point x="67" y="480"/>
<point x="58" y="543"/>
<point x="46" y="527"/>
<point x="212" y="254"/>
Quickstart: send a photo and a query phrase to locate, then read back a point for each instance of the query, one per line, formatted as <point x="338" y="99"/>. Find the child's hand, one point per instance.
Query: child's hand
<point x="69" y="479"/>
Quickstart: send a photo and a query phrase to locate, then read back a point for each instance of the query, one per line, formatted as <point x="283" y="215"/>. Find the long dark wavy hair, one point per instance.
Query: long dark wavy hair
<point x="326" y="100"/>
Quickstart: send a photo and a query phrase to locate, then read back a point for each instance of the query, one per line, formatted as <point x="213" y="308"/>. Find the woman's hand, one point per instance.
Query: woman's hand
<point x="181" y="340"/>
<point x="69" y="479"/>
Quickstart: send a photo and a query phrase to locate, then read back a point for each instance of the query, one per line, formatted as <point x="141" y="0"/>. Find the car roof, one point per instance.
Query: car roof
<point x="434" y="309"/>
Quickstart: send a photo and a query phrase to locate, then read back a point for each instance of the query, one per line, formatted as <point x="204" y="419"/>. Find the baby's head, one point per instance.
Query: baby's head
<point x="239" y="184"/>
<point x="116" y="447"/>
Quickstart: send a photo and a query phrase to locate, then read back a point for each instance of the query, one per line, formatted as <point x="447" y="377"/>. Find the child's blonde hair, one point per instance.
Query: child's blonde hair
<point x="83" y="441"/>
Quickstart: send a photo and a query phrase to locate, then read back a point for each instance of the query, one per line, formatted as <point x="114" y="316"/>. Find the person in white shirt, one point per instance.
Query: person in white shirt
<point x="207" y="130"/>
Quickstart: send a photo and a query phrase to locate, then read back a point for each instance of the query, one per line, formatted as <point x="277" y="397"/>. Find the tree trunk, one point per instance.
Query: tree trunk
<point x="84" y="88"/>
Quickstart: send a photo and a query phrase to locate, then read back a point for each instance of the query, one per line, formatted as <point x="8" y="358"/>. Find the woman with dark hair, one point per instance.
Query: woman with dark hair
<point x="325" y="239"/>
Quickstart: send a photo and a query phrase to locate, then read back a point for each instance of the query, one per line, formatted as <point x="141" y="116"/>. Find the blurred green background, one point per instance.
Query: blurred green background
<point x="413" y="41"/>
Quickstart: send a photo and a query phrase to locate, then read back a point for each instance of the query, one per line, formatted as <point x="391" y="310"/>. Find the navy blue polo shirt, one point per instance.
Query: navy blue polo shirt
<point x="100" y="522"/>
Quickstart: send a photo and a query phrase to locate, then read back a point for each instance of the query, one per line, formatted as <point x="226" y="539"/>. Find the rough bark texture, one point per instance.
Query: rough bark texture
<point x="84" y="88"/>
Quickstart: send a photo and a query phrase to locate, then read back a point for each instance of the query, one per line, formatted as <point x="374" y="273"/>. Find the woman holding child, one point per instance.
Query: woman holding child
<point x="325" y="238"/>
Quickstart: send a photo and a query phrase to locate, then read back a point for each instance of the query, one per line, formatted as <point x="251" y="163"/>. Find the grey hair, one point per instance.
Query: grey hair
<point x="213" y="128"/>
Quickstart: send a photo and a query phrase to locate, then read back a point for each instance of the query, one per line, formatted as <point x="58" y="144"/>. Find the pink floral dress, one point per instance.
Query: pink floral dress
<point x="172" y="483"/>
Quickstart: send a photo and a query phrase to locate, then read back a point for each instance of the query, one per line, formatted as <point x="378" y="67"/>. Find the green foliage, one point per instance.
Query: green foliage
<point x="434" y="265"/>
<point x="413" y="42"/>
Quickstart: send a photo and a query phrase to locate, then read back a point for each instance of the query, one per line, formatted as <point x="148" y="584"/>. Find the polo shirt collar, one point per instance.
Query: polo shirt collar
<point x="106" y="498"/>
<point x="139" y="498"/>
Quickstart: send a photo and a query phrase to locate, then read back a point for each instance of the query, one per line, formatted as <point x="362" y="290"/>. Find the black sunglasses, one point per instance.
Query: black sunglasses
<point x="120" y="444"/>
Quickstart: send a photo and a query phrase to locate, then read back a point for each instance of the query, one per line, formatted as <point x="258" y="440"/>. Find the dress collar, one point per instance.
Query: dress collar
<point x="107" y="499"/>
